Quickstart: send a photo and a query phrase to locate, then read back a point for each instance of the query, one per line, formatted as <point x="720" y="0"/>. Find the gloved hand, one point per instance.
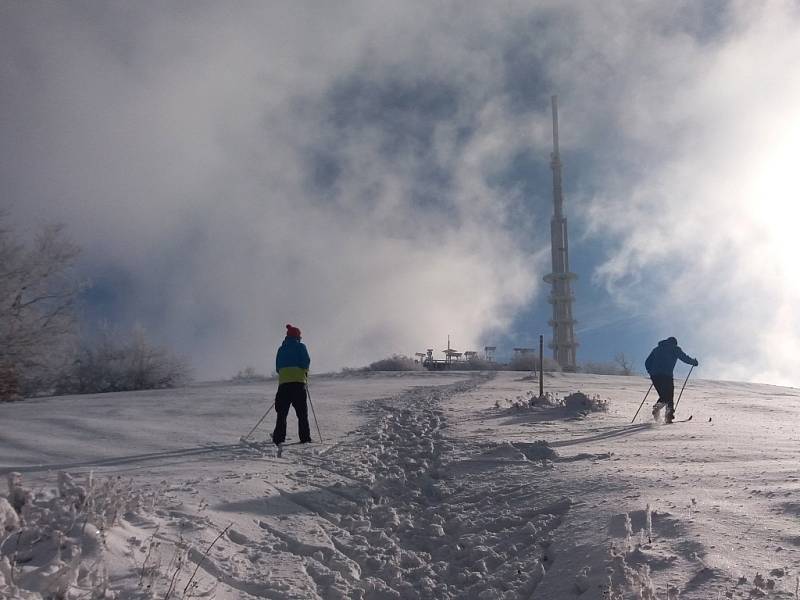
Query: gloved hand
<point x="696" y="363"/>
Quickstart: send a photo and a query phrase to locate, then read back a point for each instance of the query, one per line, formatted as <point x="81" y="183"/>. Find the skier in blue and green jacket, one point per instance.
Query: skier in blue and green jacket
<point x="292" y="363"/>
<point x="660" y="364"/>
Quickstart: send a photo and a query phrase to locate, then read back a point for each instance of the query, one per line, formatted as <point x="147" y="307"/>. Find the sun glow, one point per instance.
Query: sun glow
<point x="772" y="195"/>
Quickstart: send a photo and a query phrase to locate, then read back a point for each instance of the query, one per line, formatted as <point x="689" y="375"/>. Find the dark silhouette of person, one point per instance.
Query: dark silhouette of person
<point x="660" y="365"/>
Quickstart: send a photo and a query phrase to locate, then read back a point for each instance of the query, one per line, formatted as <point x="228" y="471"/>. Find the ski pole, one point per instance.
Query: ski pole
<point x="642" y="404"/>
<point x="683" y="386"/>
<point x="259" y="422"/>
<point x="313" y="412"/>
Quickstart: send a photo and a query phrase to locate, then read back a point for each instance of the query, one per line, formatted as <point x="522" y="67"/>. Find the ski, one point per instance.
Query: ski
<point x="680" y="420"/>
<point x="264" y="447"/>
<point x="260" y="446"/>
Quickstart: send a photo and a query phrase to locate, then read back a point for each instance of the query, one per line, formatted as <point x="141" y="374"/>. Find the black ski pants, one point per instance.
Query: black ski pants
<point x="291" y="394"/>
<point x="665" y="386"/>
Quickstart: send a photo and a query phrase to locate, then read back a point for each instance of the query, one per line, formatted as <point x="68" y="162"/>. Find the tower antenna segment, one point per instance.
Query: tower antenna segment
<point x="564" y="344"/>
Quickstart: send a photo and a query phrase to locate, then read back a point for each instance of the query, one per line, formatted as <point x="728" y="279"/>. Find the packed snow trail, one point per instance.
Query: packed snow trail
<point x="405" y="523"/>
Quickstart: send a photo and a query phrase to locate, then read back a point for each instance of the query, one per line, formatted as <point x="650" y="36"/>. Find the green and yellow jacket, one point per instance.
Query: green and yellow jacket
<point x="292" y="361"/>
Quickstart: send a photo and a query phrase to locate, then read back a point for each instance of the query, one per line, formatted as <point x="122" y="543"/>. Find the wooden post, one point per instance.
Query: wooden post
<point x="541" y="366"/>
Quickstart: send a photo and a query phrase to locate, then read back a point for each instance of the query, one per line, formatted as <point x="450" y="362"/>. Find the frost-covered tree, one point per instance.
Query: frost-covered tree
<point x="38" y="292"/>
<point x="396" y="362"/>
<point x="113" y="363"/>
<point x="624" y="363"/>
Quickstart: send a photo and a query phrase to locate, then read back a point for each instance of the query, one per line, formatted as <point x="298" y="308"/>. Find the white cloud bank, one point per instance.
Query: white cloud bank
<point x="251" y="167"/>
<point x="341" y="166"/>
<point x="706" y="234"/>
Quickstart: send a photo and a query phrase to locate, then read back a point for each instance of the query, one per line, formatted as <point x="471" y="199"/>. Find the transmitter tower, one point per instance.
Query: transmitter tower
<point x="564" y="344"/>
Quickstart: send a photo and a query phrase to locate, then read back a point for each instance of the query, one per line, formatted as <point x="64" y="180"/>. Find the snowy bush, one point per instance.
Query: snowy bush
<point x="112" y="364"/>
<point x="55" y="541"/>
<point x="576" y="404"/>
<point x="250" y="375"/>
<point x="581" y="403"/>
<point x="626" y="580"/>
<point x="9" y="521"/>
<point x="547" y="400"/>
<point x="522" y="401"/>
<point x="531" y="399"/>
<point x="397" y="362"/>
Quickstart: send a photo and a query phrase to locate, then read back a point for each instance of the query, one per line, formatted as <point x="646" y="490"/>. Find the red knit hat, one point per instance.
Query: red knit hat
<point x="292" y="331"/>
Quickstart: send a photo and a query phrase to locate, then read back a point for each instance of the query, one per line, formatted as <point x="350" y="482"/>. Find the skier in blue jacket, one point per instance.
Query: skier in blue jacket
<point x="292" y="363"/>
<point x="660" y="364"/>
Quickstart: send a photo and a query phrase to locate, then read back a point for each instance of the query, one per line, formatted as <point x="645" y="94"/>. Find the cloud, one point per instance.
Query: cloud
<point x="346" y="167"/>
<point x="248" y="168"/>
<point x="705" y="235"/>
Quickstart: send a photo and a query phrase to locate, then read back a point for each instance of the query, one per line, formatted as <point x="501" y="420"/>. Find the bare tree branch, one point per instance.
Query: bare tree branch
<point x="37" y="294"/>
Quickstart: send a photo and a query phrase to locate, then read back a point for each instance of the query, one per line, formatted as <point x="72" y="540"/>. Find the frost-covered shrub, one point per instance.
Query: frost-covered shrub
<point x="519" y="402"/>
<point x="548" y="400"/>
<point x="530" y="399"/>
<point x="18" y="496"/>
<point x="111" y="363"/>
<point x="575" y="404"/>
<point x="396" y="362"/>
<point x="250" y="375"/>
<point x="9" y="521"/>
<point x="581" y="403"/>
<point x="53" y="546"/>
<point x="626" y="580"/>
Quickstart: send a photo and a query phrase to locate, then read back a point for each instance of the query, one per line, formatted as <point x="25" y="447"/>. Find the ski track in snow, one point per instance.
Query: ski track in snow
<point x="444" y="492"/>
<point x="383" y="517"/>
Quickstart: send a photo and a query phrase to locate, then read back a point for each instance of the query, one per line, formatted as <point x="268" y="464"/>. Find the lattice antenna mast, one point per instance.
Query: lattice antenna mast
<point x="564" y="344"/>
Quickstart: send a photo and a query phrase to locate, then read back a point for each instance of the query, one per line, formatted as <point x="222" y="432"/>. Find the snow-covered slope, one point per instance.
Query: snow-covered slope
<point x="438" y="486"/>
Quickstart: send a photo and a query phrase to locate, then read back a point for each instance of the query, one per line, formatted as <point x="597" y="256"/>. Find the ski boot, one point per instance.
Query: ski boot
<point x="669" y="417"/>
<point x="657" y="410"/>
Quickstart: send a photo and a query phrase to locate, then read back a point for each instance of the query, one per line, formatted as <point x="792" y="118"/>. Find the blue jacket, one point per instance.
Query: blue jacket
<point x="664" y="356"/>
<point x="292" y="361"/>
